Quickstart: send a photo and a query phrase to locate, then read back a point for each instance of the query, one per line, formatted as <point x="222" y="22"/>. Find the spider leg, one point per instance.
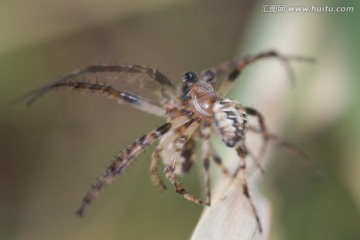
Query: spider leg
<point x="169" y="170"/>
<point x="110" y="92"/>
<point x="153" y="80"/>
<point x="263" y="128"/>
<point x="166" y="141"/>
<point x="206" y="152"/>
<point x="170" y="175"/>
<point x="218" y="161"/>
<point x="242" y="152"/>
<point x="235" y="67"/>
<point x="120" y="163"/>
<point x="187" y="154"/>
<point x="155" y="178"/>
<point x="290" y="147"/>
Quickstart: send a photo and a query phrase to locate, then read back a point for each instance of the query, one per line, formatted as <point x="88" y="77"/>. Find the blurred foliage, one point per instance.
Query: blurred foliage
<point x="51" y="153"/>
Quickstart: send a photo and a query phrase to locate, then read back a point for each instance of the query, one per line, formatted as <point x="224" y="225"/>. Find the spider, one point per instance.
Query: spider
<point x="192" y="111"/>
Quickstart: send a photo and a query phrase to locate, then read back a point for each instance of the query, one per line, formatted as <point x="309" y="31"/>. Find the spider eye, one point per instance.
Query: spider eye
<point x="208" y="76"/>
<point x="190" y="77"/>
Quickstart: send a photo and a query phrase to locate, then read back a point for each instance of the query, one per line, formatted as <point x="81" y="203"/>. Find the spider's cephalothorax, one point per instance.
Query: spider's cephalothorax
<point x="192" y="113"/>
<point x="228" y="116"/>
<point x="198" y="95"/>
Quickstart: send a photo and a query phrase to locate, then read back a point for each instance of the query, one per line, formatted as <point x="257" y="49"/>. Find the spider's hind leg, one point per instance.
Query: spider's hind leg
<point x="289" y="147"/>
<point x="243" y="152"/>
<point x="262" y="126"/>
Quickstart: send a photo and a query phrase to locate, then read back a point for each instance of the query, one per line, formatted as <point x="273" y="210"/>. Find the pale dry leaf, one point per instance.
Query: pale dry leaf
<point x="230" y="216"/>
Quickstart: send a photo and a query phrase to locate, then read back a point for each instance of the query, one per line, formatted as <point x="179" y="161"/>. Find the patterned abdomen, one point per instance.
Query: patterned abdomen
<point x="230" y="121"/>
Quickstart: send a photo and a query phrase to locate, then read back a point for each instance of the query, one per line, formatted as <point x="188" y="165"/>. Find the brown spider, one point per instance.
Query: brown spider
<point x="191" y="113"/>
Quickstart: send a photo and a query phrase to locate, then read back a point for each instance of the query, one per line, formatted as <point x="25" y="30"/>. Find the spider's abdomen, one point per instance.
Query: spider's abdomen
<point x="230" y="121"/>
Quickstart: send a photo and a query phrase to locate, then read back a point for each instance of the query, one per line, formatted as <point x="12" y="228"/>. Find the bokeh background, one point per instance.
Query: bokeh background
<point x="51" y="152"/>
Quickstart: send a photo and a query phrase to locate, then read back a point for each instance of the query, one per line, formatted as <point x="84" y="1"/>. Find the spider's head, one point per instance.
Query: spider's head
<point x="199" y="94"/>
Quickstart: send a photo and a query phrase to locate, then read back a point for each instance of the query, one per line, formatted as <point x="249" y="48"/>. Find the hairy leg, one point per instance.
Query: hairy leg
<point x="150" y="79"/>
<point x="242" y="152"/>
<point x="179" y="126"/>
<point x="120" y="163"/>
<point x="262" y="126"/>
<point x="206" y="153"/>
<point x="290" y="147"/>
<point x="235" y="67"/>
<point x="170" y="169"/>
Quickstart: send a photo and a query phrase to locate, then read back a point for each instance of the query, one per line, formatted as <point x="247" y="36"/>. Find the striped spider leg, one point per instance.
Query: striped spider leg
<point x="234" y="68"/>
<point x="192" y="113"/>
<point x="86" y="80"/>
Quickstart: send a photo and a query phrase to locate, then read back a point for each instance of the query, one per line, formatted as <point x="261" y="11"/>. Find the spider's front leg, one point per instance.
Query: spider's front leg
<point x="87" y="80"/>
<point x="235" y="67"/>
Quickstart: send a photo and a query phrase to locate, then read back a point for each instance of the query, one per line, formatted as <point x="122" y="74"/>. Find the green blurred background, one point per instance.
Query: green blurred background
<point x="51" y="152"/>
